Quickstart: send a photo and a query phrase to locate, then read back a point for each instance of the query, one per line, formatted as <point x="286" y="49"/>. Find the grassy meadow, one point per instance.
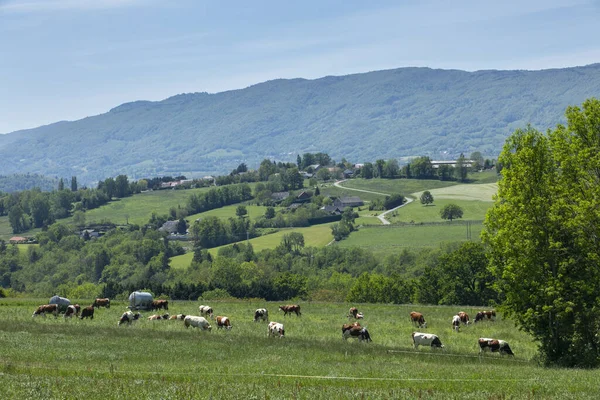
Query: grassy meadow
<point x="390" y="239"/>
<point x="314" y="236"/>
<point x="48" y="358"/>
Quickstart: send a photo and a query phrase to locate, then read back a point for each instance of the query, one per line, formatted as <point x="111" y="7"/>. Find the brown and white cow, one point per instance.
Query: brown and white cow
<point x="275" y="329"/>
<point x="72" y="310"/>
<point x="261" y="314"/>
<point x="418" y="319"/>
<point x="46" y="309"/>
<point x="485" y="315"/>
<point x="206" y="311"/>
<point x="178" y="316"/>
<point x="353" y="313"/>
<point x="291" y="308"/>
<point x="223" y="322"/>
<point x="356" y="331"/>
<point x="426" y="339"/>
<point x="157" y="317"/>
<point x="464" y="317"/>
<point x="456" y="323"/>
<point x="158" y="304"/>
<point x="87" y="312"/>
<point x="196" y="322"/>
<point x="105" y="302"/>
<point x="495" y="346"/>
<point x="128" y="317"/>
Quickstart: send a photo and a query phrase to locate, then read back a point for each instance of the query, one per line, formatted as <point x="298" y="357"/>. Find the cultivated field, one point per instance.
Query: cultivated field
<point x="48" y="358"/>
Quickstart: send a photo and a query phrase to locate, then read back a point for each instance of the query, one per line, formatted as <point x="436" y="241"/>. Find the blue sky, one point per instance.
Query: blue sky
<point x="68" y="59"/>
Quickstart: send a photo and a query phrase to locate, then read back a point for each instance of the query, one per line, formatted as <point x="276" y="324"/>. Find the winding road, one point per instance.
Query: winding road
<point x="381" y="216"/>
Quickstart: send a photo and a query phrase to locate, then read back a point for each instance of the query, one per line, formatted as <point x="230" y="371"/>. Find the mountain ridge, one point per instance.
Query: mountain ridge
<point x="386" y="114"/>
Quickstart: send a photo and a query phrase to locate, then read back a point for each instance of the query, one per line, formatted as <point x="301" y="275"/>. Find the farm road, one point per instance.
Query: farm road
<point x="381" y="216"/>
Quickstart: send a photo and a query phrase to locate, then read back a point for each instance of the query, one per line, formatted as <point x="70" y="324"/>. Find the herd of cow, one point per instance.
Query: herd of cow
<point x="350" y="330"/>
<point x="462" y="318"/>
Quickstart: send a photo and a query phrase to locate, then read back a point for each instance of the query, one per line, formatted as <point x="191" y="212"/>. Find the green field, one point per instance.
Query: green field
<point x="138" y="209"/>
<point x="389" y="239"/>
<point x="315" y="236"/>
<point x="254" y="212"/>
<point x="48" y="358"/>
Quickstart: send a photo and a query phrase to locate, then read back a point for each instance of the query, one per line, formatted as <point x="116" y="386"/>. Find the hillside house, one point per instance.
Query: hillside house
<point x="278" y="197"/>
<point x="350" y="201"/>
<point x="303" y="197"/>
<point x="169" y="227"/>
<point x="436" y="164"/>
<point x="89" y="234"/>
<point x="313" y="168"/>
<point x="348" y="173"/>
<point x="333" y="210"/>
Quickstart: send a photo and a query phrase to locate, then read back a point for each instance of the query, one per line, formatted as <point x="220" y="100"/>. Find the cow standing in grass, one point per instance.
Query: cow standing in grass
<point x="158" y="304"/>
<point x="206" y="311"/>
<point x="456" y="323"/>
<point x="128" y="317"/>
<point x="261" y="314"/>
<point x="485" y="315"/>
<point x="275" y="329"/>
<point x="178" y="316"/>
<point x="197" y="322"/>
<point x="426" y="339"/>
<point x="353" y="313"/>
<point x="46" y="309"/>
<point x="495" y="346"/>
<point x="105" y="302"/>
<point x="464" y="317"/>
<point x="418" y="319"/>
<point x="288" y="309"/>
<point x="223" y="322"/>
<point x="356" y="331"/>
<point x="72" y="311"/>
<point x="87" y="312"/>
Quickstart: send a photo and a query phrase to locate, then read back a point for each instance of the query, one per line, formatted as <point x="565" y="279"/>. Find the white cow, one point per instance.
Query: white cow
<point x="426" y="339"/>
<point x="275" y="328"/>
<point x="197" y="322"/>
<point x="456" y="323"/>
<point x="206" y="311"/>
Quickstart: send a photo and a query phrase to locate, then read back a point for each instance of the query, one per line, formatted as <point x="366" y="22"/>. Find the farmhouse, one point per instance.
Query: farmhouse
<point x="278" y="197"/>
<point x="17" y="239"/>
<point x="169" y="227"/>
<point x="349" y="201"/>
<point x="334" y="210"/>
<point x="436" y="164"/>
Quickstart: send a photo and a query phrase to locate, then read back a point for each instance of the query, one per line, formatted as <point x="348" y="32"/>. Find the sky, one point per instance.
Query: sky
<point x="68" y="59"/>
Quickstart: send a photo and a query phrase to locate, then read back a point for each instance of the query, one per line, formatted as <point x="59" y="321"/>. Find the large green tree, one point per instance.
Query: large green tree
<point x="543" y="233"/>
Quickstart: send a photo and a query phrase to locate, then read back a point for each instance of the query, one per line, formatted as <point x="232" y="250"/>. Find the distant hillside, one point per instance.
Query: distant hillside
<point x="20" y="182"/>
<point x="363" y="117"/>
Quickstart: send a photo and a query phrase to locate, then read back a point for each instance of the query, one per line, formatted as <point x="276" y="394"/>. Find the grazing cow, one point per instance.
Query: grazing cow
<point x="105" y="302"/>
<point x="485" y="315"/>
<point x="223" y="322"/>
<point x="72" y="310"/>
<point x="464" y="317"/>
<point x="206" y="311"/>
<point x="46" y="309"/>
<point x="418" y="319"/>
<point x="262" y="314"/>
<point x="356" y="331"/>
<point x="274" y="329"/>
<point x="158" y="304"/>
<point x="426" y="339"/>
<point x="128" y="317"/>
<point x="456" y="323"/>
<point x="156" y="317"/>
<point x="87" y="312"/>
<point x="178" y="316"/>
<point x="353" y="313"/>
<point x="196" y="322"/>
<point x="495" y="346"/>
<point x="293" y="308"/>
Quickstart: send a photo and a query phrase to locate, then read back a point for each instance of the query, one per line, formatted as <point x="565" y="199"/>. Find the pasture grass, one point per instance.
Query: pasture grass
<point x="391" y="239"/>
<point x="138" y="209"/>
<point x="52" y="358"/>
<point x="314" y="236"/>
<point x="254" y="212"/>
<point x="416" y="212"/>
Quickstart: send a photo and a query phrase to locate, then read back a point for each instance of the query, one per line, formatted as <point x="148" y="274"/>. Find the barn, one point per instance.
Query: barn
<point x="62" y="302"/>
<point x="140" y="301"/>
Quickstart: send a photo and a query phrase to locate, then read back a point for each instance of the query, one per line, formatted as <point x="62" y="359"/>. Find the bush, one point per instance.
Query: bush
<point x="216" y="294"/>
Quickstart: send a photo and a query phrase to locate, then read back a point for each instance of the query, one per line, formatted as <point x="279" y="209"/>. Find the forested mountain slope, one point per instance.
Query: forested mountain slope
<point x="362" y="117"/>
